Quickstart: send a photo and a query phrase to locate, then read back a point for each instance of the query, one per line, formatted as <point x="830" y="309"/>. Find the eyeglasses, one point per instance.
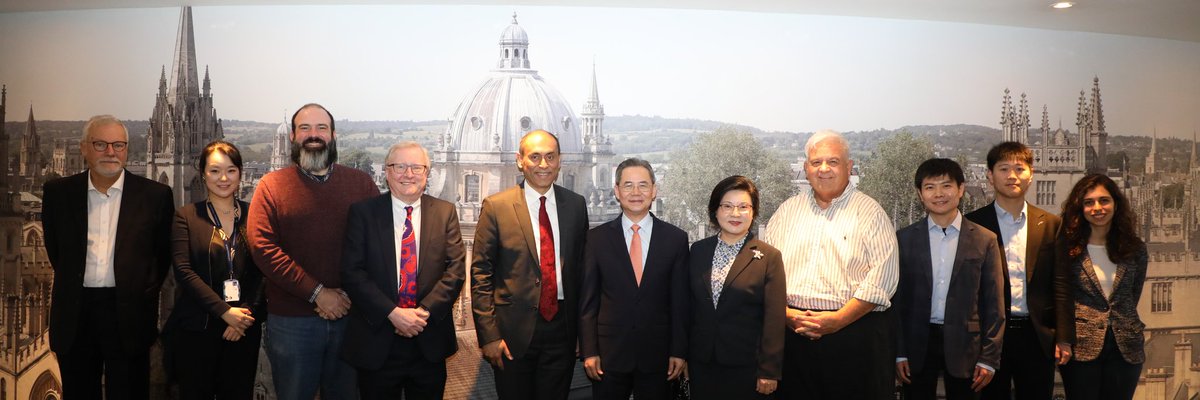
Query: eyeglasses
<point x="741" y="208"/>
<point x="642" y="187"/>
<point x="399" y="168"/>
<point x="100" y="145"/>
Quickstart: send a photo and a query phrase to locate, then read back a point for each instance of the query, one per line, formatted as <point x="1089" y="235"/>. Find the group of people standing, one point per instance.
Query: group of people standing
<point x="351" y="290"/>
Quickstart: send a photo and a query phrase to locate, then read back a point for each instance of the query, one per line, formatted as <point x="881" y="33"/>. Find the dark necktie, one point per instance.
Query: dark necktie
<point x="548" y="303"/>
<point x="408" y="265"/>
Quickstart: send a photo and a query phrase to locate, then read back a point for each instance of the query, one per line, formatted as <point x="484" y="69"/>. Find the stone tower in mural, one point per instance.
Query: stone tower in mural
<point x="281" y="146"/>
<point x="30" y="157"/>
<point x="10" y="212"/>
<point x="1061" y="157"/>
<point x="183" y="120"/>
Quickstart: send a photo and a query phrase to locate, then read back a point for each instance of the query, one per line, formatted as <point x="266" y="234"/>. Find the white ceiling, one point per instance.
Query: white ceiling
<point x="1167" y="19"/>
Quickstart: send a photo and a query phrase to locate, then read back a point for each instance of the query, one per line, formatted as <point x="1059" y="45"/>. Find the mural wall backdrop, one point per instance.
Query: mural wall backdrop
<point x="701" y="94"/>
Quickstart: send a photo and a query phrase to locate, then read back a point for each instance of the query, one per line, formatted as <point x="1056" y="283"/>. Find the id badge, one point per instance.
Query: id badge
<point x="233" y="292"/>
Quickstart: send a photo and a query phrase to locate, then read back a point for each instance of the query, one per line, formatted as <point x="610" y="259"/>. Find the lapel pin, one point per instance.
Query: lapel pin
<point x="757" y="254"/>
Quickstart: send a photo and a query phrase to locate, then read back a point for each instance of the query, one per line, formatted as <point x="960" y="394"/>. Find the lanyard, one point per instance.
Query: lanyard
<point x="231" y="241"/>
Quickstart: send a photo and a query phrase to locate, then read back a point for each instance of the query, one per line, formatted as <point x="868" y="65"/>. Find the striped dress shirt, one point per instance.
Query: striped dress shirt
<point x="832" y="255"/>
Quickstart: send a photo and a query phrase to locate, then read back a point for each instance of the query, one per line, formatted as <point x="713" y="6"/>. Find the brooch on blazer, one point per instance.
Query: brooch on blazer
<point x="757" y="254"/>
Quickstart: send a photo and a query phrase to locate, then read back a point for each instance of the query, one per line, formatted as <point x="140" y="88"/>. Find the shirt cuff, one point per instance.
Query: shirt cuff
<point x="871" y="294"/>
<point x="901" y="359"/>
<point x="985" y="366"/>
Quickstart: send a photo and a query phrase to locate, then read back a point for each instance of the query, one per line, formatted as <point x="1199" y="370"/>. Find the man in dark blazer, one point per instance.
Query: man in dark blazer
<point x="399" y="341"/>
<point x="1026" y="235"/>
<point x="633" y="305"/>
<point x="949" y="300"/>
<point x="526" y="261"/>
<point x="107" y="237"/>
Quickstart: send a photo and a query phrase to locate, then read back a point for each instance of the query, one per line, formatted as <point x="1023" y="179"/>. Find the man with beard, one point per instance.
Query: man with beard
<point x="107" y="233"/>
<point x="295" y="225"/>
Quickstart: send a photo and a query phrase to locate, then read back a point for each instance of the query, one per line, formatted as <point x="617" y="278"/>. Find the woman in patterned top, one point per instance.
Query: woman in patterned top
<point x="738" y="302"/>
<point x="1100" y="269"/>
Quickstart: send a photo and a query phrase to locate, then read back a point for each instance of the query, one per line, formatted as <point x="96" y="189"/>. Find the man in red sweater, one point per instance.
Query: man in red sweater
<point x="295" y="224"/>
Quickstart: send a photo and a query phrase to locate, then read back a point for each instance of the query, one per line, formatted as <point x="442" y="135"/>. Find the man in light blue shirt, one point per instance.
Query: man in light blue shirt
<point x="949" y="298"/>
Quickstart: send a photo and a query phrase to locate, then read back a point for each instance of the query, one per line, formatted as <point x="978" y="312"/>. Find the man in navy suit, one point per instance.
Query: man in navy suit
<point x="107" y="237"/>
<point x="949" y="298"/>
<point x="633" y="302"/>
<point x="403" y="265"/>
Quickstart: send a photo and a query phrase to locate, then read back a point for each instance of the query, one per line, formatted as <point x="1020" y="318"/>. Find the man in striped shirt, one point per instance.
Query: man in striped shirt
<point x="839" y="253"/>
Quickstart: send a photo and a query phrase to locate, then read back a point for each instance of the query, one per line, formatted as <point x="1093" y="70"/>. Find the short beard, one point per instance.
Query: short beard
<point x="314" y="160"/>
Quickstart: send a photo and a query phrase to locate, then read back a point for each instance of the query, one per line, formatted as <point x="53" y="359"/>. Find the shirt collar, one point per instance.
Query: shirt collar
<point x="955" y="225"/>
<point x="531" y="196"/>
<point x="318" y="178"/>
<point x="645" y="226"/>
<point x="1005" y="217"/>
<point x="400" y="204"/>
<point x="839" y="200"/>
<point x="119" y="184"/>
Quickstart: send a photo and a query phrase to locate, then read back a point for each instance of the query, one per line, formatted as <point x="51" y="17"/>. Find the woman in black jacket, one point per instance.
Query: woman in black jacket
<point x="213" y="332"/>
<point x="1100" y="270"/>
<point x="738" y="302"/>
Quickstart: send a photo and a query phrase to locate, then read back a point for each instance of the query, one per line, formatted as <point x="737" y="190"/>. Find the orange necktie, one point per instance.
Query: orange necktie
<point x="635" y="254"/>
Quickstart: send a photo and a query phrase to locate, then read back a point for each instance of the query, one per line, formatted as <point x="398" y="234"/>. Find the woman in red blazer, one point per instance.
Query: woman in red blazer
<point x="1100" y="270"/>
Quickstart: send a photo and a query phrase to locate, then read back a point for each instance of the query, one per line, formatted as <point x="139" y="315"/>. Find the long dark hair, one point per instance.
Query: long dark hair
<point x="1122" y="241"/>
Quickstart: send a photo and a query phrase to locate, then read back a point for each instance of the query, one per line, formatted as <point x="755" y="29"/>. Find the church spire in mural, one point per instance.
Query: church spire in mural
<point x="183" y="81"/>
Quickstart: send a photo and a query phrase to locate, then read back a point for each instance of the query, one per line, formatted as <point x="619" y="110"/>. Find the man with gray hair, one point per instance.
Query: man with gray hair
<point x="839" y="254"/>
<point x="295" y="224"/>
<point x="403" y="265"/>
<point x="107" y="235"/>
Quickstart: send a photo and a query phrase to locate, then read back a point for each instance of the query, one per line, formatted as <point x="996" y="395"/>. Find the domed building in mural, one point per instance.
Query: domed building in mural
<point x="476" y="157"/>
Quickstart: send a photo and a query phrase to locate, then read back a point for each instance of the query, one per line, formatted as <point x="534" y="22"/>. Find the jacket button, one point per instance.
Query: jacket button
<point x="537" y="282"/>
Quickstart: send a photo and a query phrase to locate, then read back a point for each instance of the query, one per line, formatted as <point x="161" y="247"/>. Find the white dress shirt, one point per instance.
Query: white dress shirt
<point x="104" y="210"/>
<point x="1014" y="231"/>
<point x="532" y="199"/>
<point x="645" y="227"/>
<point x="398" y="216"/>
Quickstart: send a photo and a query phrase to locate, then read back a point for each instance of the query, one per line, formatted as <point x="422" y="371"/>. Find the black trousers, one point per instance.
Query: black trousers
<point x="544" y="371"/>
<point x="1024" y="369"/>
<point x="640" y="384"/>
<point x="924" y="382"/>
<point x="857" y="362"/>
<point x="710" y="381"/>
<point x="208" y="366"/>
<point x="405" y="374"/>
<point x="97" y="353"/>
<point x="1107" y="377"/>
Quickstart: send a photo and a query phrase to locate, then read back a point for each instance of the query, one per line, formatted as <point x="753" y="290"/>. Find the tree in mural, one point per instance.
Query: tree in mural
<point x="694" y="170"/>
<point x="888" y="176"/>
<point x="358" y="159"/>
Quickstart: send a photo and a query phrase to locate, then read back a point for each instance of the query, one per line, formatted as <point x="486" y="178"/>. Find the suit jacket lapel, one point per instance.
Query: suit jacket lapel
<point x="707" y="253"/>
<point x="1034" y="234"/>
<point x="743" y="260"/>
<point x="1122" y="268"/>
<point x="427" y="272"/>
<point x="125" y="222"/>
<point x="386" y="232"/>
<point x="77" y="203"/>
<point x="522" y="211"/>
<point x="625" y="265"/>
<point x="1089" y="270"/>
<point x="966" y="241"/>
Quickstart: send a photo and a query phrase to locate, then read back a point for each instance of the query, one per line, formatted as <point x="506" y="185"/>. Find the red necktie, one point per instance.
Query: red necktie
<point x="407" y="297"/>
<point x="548" y="304"/>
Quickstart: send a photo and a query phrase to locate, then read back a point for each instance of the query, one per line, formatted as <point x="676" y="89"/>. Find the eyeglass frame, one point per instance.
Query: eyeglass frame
<point x="100" y="146"/>
<point x="407" y="167"/>
<point x="629" y="186"/>
<point x="728" y="208"/>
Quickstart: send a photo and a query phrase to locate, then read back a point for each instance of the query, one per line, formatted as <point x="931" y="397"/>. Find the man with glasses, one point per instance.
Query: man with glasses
<point x="839" y="254"/>
<point x="295" y="227"/>
<point x="525" y="265"/>
<point x="403" y="265"/>
<point x="635" y="291"/>
<point x="107" y="236"/>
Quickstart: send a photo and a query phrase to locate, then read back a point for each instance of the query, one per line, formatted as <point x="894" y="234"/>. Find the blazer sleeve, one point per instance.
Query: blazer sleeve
<point x="589" y="299"/>
<point x="1064" y="300"/>
<point x="680" y="299"/>
<point x="162" y="235"/>
<point x="372" y="304"/>
<point x="442" y="296"/>
<point x="485" y="252"/>
<point x="991" y="306"/>
<point x="770" y="350"/>
<point x="192" y="283"/>
<point x="50" y="207"/>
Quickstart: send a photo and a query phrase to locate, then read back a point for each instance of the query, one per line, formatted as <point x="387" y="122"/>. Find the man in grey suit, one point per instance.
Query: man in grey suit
<point x="403" y="266"/>
<point x="525" y="271"/>
<point x="949" y="299"/>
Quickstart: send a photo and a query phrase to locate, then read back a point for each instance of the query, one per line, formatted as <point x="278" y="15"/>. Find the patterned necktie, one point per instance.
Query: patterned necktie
<point x="407" y="297"/>
<point x="635" y="253"/>
<point x="548" y="303"/>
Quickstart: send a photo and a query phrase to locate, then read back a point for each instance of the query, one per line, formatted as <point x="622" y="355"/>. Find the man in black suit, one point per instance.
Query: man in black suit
<point x="107" y="237"/>
<point x="635" y="290"/>
<point x="949" y="298"/>
<point x="1026" y="234"/>
<point x="403" y="267"/>
<point x="526" y="261"/>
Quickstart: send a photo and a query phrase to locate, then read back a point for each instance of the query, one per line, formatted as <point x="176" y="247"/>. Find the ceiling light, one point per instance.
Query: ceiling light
<point x="1063" y="4"/>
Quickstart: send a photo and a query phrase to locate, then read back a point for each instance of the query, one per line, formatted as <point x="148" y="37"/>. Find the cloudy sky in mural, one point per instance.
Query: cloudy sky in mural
<point x="772" y="71"/>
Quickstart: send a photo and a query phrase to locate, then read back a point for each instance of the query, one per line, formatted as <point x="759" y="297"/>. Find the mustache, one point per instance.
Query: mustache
<point x="314" y="159"/>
